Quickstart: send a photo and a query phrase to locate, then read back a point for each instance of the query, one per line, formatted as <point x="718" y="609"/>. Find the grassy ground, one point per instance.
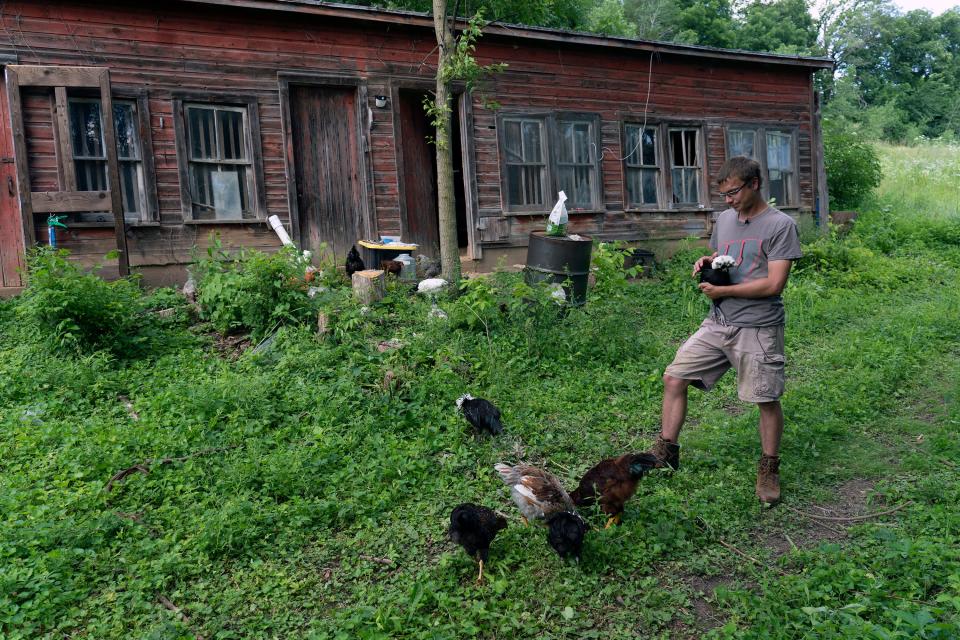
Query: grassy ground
<point x="296" y="492"/>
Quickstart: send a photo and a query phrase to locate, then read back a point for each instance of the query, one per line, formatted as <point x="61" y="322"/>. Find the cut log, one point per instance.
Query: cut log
<point x="323" y="324"/>
<point x="369" y="285"/>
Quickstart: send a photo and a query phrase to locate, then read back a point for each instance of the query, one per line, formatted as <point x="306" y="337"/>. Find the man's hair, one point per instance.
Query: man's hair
<point x="740" y="167"/>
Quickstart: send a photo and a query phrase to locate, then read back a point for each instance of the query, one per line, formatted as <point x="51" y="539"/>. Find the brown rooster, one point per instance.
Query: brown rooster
<point x="392" y="266"/>
<point x="613" y="481"/>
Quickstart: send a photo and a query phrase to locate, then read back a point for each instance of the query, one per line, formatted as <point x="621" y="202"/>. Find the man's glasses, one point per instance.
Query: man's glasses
<point x="733" y="192"/>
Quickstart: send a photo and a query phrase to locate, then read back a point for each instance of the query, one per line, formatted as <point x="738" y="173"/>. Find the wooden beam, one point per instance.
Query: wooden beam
<point x="113" y="172"/>
<point x="366" y="226"/>
<point x="289" y="162"/>
<point x="823" y="196"/>
<point x="20" y="153"/>
<point x="70" y="201"/>
<point x="61" y="111"/>
<point x="469" y="166"/>
<point x="56" y="76"/>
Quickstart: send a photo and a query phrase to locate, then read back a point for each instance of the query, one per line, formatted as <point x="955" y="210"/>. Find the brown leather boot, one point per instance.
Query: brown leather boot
<point x="768" y="480"/>
<point x="667" y="454"/>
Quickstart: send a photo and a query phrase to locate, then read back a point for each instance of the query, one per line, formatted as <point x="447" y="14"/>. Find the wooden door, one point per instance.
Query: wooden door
<point x="419" y="157"/>
<point x="11" y="227"/>
<point x="326" y="154"/>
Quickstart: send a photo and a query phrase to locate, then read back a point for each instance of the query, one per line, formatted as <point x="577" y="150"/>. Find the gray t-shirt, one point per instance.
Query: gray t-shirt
<point x="772" y="235"/>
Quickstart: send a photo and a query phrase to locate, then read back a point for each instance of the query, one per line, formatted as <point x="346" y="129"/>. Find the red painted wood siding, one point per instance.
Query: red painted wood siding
<point x="174" y="48"/>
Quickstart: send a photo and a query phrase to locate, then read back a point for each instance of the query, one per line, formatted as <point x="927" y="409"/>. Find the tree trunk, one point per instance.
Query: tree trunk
<point x="446" y="199"/>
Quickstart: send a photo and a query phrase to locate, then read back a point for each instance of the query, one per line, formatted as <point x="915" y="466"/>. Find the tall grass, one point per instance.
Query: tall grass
<point x="921" y="180"/>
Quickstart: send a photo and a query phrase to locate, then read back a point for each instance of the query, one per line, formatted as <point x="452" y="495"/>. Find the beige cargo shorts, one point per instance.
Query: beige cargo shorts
<point x="755" y="352"/>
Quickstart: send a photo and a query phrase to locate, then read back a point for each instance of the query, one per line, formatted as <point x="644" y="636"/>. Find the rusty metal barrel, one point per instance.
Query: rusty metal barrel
<point x="561" y="259"/>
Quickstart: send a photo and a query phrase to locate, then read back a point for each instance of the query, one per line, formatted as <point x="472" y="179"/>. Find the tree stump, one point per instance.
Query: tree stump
<point x="323" y="324"/>
<point x="369" y="285"/>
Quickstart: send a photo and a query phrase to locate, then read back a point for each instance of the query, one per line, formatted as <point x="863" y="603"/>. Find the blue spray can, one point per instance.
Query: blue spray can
<point x="52" y="223"/>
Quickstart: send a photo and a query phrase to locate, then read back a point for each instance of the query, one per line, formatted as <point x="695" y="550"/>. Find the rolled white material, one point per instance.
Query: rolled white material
<point x="280" y="231"/>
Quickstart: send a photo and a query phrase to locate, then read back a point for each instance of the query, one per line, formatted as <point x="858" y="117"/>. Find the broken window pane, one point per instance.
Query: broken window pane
<point x="642" y="171"/>
<point x="576" y="167"/>
<point x="685" y="170"/>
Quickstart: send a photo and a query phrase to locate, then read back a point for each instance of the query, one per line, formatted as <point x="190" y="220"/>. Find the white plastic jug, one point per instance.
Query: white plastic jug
<point x="409" y="269"/>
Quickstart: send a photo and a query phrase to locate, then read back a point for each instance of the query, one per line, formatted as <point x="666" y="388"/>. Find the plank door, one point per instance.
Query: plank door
<point x="327" y="156"/>
<point x="420" y="222"/>
<point x="11" y="227"/>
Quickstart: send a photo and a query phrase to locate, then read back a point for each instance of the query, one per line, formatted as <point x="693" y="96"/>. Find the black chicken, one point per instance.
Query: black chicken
<point x="480" y="413"/>
<point x="354" y="262"/>
<point x="566" y="534"/>
<point x="612" y="482"/>
<point x="474" y="527"/>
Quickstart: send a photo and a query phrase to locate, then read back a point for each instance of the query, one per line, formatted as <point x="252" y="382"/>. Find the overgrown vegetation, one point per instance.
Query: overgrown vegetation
<point x="302" y="489"/>
<point x="853" y="169"/>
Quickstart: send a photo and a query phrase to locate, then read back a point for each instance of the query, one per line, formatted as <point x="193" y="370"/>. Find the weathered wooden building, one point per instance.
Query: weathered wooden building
<point x="221" y="113"/>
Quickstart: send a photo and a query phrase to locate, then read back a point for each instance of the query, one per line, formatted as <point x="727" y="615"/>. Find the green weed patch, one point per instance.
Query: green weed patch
<point x="302" y="489"/>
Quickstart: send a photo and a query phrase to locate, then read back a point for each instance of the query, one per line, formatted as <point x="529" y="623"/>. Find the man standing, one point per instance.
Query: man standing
<point x="745" y="327"/>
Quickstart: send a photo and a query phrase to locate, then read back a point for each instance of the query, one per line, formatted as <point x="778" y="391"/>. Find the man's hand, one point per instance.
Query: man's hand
<point x="699" y="263"/>
<point x="712" y="291"/>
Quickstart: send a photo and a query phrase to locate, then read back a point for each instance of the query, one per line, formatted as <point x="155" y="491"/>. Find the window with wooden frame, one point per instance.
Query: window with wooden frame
<point x="544" y="154"/>
<point x="775" y="149"/>
<point x="686" y="165"/>
<point x="220" y="164"/>
<point x="663" y="165"/>
<point x="525" y="163"/>
<point x="219" y="159"/>
<point x="780" y="167"/>
<point x="90" y="156"/>
<point x="641" y="166"/>
<point x="578" y="166"/>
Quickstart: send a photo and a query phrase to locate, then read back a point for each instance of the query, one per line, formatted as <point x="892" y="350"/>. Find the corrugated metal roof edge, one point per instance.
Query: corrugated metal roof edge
<point x="413" y="18"/>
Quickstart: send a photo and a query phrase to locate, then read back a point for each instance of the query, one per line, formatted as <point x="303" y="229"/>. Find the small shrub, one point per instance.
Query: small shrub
<point x="78" y="310"/>
<point x="252" y="291"/>
<point x="853" y="169"/>
<point x="607" y="263"/>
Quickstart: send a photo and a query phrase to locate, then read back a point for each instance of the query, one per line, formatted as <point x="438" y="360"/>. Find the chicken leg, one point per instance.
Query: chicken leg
<point x="480" y="577"/>
<point x="612" y="521"/>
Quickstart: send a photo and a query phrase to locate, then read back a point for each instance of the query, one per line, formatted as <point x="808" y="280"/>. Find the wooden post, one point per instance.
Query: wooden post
<point x="369" y="285"/>
<point x="823" y="198"/>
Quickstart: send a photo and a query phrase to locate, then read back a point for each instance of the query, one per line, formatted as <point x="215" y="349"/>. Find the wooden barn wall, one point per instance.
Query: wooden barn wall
<point x="615" y="86"/>
<point x="239" y="52"/>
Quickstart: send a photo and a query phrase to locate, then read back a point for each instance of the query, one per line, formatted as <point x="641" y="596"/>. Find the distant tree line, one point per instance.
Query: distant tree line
<point x="897" y="77"/>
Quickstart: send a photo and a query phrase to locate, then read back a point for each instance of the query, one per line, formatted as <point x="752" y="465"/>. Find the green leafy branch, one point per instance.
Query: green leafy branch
<point x="461" y="66"/>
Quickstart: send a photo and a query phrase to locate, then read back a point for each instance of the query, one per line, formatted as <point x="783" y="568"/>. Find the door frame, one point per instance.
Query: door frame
<point x="8" y="182"/>
<point x="364" y="115"/>
<point x="464" y="113"/>
<point x="396" y="85"/>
